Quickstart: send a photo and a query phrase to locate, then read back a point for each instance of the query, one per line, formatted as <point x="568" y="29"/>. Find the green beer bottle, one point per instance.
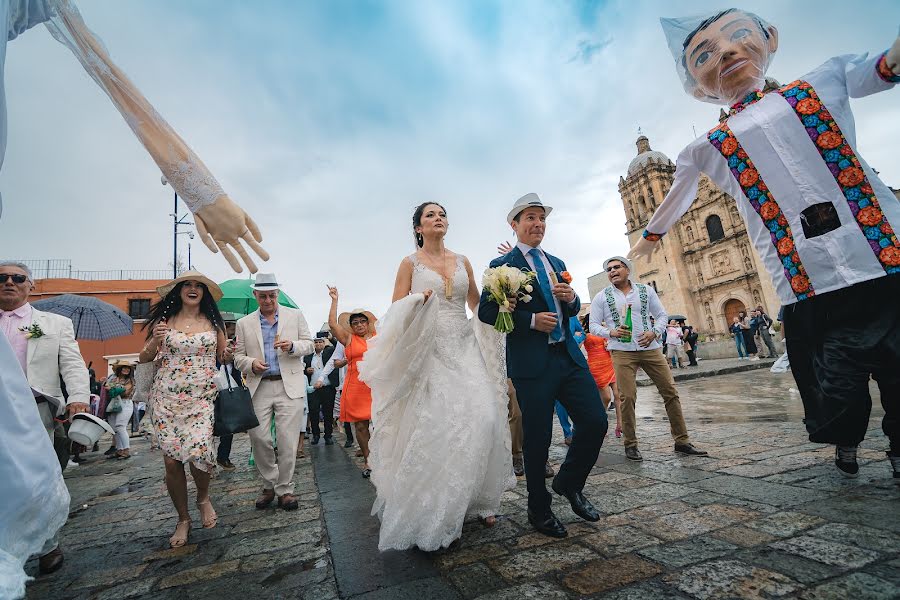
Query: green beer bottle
<point x="627" y="324"/>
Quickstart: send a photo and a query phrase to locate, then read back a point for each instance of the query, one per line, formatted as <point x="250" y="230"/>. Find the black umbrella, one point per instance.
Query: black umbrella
<point x="93" y="319"/>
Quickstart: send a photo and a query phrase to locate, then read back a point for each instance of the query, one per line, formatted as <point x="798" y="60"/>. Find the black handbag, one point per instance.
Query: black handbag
<point x="234" y="409"/>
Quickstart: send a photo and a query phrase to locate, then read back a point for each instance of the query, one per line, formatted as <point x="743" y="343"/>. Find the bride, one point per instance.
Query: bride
<point x="440" y="446"/>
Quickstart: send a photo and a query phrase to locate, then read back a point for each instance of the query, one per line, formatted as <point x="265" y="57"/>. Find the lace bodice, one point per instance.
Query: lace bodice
<point x="424" y="278"/>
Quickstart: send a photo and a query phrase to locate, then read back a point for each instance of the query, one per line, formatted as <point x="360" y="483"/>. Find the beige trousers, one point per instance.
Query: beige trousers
<point x="626" y="364"/>
<point x="270" y="398"/>
<point x="515" y="420"/>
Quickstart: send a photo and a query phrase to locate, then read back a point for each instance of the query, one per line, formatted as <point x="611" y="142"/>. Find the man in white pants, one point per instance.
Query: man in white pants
<point x="271" y="344"/>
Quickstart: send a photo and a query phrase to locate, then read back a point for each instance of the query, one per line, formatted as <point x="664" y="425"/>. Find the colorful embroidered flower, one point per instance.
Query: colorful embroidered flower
<point x="886" y="228"/>
<point x="870" y="216"/>
<point x="866" y="188"/>
<point x="800" y="283"/>
<point x="885" y="72"/>
<point x="890" y="256"/>
<point x="748" y="177"/>
<point x="808" y="106"/>
<point x="729" y="146"/>
<point x="829" y="140"/>
<point x="785" y="246"/>
<point x="768" y="210"/>
<point x="782" y="220"/>
<point x="741" y="154"/>
<point x="851" y="176"/>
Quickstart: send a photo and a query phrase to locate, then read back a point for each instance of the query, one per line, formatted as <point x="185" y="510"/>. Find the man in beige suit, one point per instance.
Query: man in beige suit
<point x="271" y="344"/>
<point x="46" y="348"/>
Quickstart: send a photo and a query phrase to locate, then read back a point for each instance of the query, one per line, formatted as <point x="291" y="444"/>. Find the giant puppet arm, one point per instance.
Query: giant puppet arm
<point x="892" y="57"/>
<point x="221" y="222"/>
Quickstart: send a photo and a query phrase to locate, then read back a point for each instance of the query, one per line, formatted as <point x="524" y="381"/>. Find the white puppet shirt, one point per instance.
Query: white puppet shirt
<point x="818" y="215"/>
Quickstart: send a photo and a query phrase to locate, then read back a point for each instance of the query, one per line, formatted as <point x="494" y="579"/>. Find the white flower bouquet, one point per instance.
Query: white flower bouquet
<point x="506" y="282"/>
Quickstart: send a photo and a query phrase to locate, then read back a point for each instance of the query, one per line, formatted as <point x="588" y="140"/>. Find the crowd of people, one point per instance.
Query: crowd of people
<point x="441" y="409"/>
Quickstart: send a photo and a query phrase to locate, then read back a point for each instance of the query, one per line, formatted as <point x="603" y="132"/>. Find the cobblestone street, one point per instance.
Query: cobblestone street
<point x="765" y="516"/>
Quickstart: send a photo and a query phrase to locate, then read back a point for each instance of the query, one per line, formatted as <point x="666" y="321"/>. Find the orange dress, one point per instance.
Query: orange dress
<point x="356" y="399"/>
<point x="599" y="360"/>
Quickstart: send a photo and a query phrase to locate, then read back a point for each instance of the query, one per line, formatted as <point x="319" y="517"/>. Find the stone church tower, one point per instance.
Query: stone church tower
<point x="705" y="268"/>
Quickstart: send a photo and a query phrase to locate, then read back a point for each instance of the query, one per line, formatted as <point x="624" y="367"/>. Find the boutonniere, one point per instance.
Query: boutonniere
<point x="34" y="331"/>
<point x="563" y="276"/>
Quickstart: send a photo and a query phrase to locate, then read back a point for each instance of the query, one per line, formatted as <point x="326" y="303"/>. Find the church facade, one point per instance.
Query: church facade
<point x="706" y="268"/>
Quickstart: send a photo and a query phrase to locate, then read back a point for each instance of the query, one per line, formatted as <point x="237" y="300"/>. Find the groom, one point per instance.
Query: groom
<point x="545" y="364"/>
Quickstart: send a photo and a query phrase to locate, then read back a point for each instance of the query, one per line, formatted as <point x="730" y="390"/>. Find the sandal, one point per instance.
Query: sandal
<point x="208" y="522"/>
<point x="177" y="541"/>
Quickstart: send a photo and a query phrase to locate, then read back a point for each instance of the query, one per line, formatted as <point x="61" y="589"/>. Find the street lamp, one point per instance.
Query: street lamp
<point x="176" y="222"/>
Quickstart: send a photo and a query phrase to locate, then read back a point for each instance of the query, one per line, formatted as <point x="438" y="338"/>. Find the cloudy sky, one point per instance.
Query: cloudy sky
<point x="330" y="121"/>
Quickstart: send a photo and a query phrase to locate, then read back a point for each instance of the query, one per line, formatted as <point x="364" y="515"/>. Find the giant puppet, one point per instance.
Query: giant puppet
<point x="819" y="216"/>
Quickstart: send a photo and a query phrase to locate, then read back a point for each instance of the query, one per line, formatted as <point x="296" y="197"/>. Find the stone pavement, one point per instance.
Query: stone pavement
<point x="711" y="368"/>
<point x="765" y="516"/>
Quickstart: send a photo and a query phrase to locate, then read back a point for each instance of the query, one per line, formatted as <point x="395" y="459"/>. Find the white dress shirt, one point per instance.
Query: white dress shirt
<point x="641" y="311"/>
<point x="777" y="132"/>
<point x="525" y="249"/>
<point x="321" y="371"/>
<point x="338" y="354"/>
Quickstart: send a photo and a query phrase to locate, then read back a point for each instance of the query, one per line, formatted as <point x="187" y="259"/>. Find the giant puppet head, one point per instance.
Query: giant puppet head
<point x="721" y="57"/>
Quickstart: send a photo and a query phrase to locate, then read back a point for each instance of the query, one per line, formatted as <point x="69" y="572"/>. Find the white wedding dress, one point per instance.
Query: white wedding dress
<point x="440" y="446"/>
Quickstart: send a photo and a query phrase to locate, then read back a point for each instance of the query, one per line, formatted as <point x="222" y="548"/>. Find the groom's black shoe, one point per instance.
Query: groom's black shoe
<point x="547" y="524"/>
<point x="581" y="506"/>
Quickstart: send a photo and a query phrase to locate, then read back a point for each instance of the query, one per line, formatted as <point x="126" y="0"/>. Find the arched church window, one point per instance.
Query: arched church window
<point x="714" y="228"/>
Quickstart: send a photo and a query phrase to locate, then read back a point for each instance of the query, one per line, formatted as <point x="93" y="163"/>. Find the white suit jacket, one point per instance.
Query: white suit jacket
<point x="56" y="354"/>
<point x="291" y="326"/>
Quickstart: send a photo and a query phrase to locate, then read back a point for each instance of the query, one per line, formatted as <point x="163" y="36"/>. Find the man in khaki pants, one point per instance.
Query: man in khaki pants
<point x="608" y="311"/>
<point x="271" y="344"/>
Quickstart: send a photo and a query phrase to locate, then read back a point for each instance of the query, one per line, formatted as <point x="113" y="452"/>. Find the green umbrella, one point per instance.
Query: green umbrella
<point x="237" y="297"/>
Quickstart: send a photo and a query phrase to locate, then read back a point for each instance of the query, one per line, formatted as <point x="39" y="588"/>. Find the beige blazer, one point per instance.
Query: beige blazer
<point x="291" y="326"/>
<point x="55" y="354"/>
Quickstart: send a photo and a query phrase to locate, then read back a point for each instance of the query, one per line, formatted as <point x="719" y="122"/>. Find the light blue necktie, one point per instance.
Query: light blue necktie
<point x="544" y="282"/>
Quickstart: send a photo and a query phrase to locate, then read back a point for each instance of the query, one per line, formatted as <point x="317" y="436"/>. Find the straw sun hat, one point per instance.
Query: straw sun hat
<point x="214" y="289"/>
<point x="344" y="318"/>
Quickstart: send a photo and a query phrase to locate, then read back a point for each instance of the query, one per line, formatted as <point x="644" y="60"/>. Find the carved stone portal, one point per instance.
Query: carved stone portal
<point x="720" y="262"/>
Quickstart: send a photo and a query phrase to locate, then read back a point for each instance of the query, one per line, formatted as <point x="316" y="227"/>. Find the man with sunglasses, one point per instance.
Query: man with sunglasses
<point x="45" y="347"/>
<point x="643" y="350"/>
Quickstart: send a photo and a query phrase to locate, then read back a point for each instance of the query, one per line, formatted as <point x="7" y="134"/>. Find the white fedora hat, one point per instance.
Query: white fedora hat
<point x="526" y="201"/>
<point x="265" y="282"/>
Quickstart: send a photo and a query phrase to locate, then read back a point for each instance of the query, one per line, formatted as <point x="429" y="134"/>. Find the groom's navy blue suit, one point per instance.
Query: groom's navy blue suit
<point x="543" y="373"/>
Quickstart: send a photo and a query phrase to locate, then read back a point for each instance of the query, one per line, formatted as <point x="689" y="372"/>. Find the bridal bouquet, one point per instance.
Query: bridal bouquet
<point x="503" y="282"/>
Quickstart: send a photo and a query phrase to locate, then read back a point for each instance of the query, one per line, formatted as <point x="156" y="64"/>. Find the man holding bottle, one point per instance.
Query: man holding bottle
<point x="622" y="312"/>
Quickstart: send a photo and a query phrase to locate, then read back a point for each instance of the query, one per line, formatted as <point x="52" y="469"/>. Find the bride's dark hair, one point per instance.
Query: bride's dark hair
<point x="417" y="221"/>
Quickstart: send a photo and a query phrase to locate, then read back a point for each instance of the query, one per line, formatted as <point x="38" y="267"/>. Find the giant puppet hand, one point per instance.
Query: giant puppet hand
<point x="642" y="249"/>
<point x="221" y="223"/>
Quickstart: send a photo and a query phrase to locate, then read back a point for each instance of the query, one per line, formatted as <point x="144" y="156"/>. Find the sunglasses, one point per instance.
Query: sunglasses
<point x="16" y="278"/>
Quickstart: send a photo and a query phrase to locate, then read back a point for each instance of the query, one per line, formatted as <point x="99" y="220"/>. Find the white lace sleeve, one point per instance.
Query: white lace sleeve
<point x="178" y="163"/>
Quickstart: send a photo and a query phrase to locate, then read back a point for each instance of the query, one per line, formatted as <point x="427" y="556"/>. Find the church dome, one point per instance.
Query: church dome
<point x="645" y="156"/>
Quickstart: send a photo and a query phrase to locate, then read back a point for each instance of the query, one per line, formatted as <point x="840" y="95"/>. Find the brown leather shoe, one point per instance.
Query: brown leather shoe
<point x="51" y="561"/>
<point x="265" y="499"/>
<point x="288" y="502"/>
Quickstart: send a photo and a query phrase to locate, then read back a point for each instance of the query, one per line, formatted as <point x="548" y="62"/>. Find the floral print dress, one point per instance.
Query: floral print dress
<point x="182" y="397"/>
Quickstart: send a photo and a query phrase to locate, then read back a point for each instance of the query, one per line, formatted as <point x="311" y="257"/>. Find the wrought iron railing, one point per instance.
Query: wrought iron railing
<point x="62" y="269"/>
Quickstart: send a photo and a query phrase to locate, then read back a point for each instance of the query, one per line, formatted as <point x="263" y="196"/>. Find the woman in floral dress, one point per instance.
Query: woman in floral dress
<point x="186" y="338"/>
